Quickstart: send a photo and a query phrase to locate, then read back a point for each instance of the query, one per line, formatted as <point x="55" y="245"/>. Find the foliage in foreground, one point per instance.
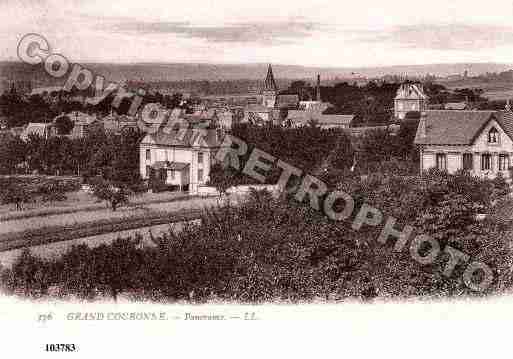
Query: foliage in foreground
<point x="277" y="249"/>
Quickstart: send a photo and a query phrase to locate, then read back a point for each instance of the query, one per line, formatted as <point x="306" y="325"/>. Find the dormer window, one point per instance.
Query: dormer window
<point x="493" y="136"/>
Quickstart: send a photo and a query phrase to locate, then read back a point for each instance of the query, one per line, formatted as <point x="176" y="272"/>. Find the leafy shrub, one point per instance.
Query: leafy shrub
<point x="271" y="249"/>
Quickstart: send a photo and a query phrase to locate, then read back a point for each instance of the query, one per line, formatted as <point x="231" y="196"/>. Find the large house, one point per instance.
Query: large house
<point x="410" y="97"/>
<point x="480" y="142"/>
<point x="180" y="159"/>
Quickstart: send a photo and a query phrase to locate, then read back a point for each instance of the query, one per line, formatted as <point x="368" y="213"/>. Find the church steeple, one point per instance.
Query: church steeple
<point x="270" y="84"/>
<point x="270" y="89"/>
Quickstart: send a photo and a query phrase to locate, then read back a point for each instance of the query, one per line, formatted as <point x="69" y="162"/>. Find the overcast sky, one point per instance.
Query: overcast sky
<point x="320" y="33"/>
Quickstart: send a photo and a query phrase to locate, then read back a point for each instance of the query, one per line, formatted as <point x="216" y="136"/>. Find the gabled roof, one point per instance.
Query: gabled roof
<point x="189" y="138"/>
<point x="459" y="127"/>
<point x="410" y="91"/>
<point x="505" y="120"/>
<point x="269" y="83"/>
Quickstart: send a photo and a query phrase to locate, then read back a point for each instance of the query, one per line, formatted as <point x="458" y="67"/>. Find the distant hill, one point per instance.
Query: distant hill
<point x="10" y="71"/>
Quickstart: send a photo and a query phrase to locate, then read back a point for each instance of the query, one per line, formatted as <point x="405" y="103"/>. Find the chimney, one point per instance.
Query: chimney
<point x="318" y="88"/>
<point x="422" y="125"/>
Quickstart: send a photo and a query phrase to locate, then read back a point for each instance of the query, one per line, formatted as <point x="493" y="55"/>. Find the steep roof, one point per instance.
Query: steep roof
<point x="505" y="120"/>
<point x="188" y="138"/>
<point x="410" y="91"/>
<point x="269" y="83"/>
<point x="459" y="127"/>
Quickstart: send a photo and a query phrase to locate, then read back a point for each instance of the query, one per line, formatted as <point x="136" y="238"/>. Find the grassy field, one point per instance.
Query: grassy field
<point x="82" y="202"/>
<point x="59" y="233"/>
<point x="33" y="231"/>
<point x="89" y="216"/>
<point x="492" y="90"/>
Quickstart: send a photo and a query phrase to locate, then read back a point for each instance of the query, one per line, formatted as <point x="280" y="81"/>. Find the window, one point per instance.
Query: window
<point x="468" y="162"/>
<point x="493" y="135"/>
<point x="441" y="161"/>
<point x="148" y="155"/>
<point x="503" y="162"/>
<point x="148" y="171"/>
<point x="200" y="175"/>
<point x="486" y="162"/>
<point x="172" y="174"/>
<point x="200" y="157"/>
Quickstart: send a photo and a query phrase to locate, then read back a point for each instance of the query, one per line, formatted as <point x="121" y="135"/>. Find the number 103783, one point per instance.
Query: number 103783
<point x="60" y="347"/>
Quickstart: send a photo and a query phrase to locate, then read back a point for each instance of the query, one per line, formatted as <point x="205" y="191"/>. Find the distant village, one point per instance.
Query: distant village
<point x="191" y="192"/>
<point x="450" y="136"/>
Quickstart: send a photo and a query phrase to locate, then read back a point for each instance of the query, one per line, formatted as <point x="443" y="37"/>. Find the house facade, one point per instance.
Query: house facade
<point x="180" y="159"/>
<point x="480" y="142"/>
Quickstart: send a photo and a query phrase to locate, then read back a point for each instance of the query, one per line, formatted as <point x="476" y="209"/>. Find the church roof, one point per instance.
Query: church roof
<point x="269" y="83"/>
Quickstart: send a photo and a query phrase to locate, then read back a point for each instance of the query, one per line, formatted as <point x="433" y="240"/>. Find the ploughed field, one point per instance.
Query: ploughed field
<point x="38" y="230"/>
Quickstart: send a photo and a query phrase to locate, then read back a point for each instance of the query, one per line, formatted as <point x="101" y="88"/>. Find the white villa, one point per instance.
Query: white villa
<point x="480" y="142"/>
<point x="177" y="159"/>
<point x="410" y="97"/>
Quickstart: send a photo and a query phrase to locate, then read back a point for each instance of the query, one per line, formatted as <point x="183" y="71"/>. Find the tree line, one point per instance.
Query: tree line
<point x="112" y="156"/>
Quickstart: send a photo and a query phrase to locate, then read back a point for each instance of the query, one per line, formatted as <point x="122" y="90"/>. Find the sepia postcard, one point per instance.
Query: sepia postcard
<point x="256" y="179"/>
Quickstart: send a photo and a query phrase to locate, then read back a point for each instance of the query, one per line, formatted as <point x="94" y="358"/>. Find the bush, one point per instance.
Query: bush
<point x="269" y="249"/>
